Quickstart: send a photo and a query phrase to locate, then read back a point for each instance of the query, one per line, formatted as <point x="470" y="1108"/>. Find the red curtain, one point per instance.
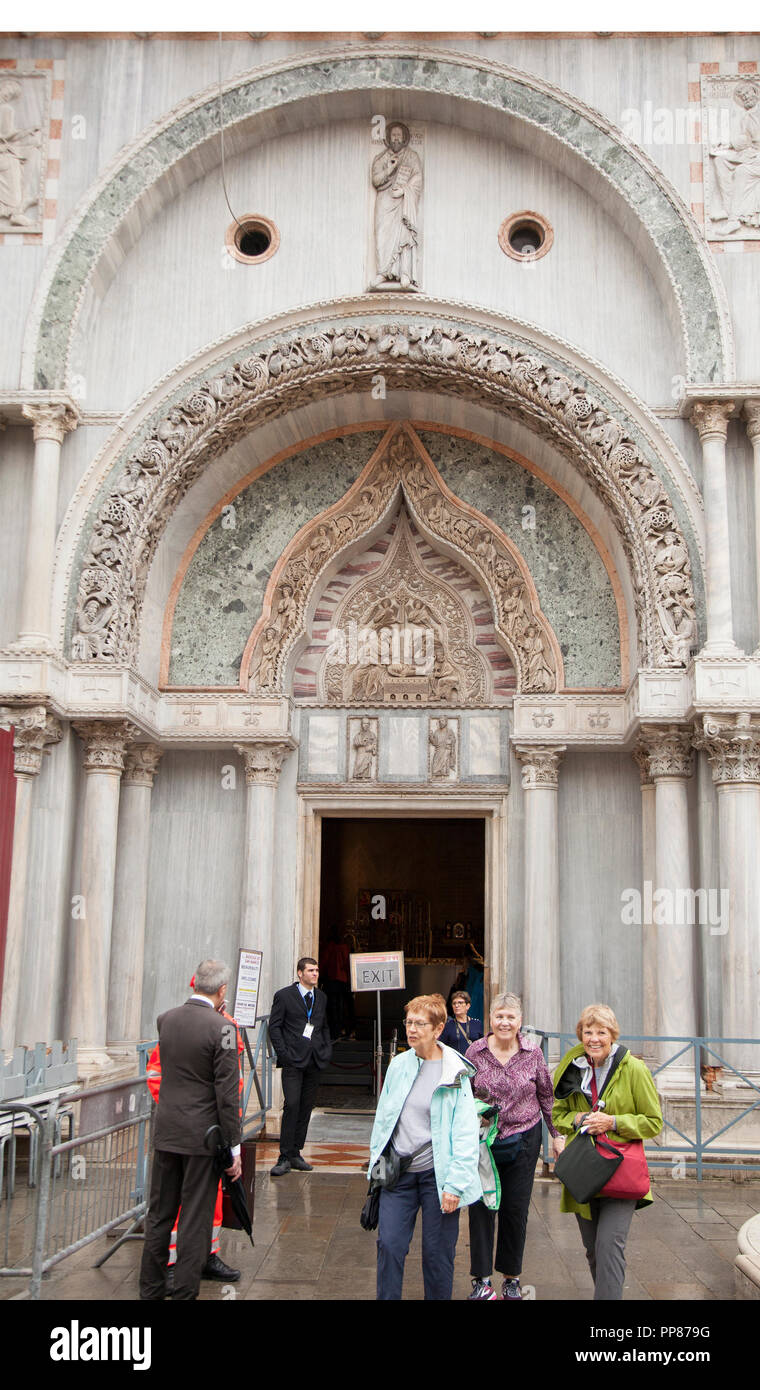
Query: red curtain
<point x="7" y="809"/>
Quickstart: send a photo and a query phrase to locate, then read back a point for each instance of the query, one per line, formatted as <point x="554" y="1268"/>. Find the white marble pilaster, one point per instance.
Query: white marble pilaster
<point x="752" y="415"/>
<point x="50" y="423"/>
<point x="540" y="778"/>
<point x="711" y="421"/>
<point x="33" y="730"/>
<point x="648" y="875"/>
<point x="670" y="766"/>
<point x="733" y="748"/>
<point x="263" y="764"/>
<point x="131" y="895"/>
<point x="92" y="910"/>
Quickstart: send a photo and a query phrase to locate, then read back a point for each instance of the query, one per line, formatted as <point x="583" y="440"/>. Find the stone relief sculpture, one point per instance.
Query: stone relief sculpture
<point x="734" y="201"/>
<point x="19" y="169"/>
<point x="365" y="750"/>
<point x="397" y="181"/>
<point x="443" y="741"/>
<point x="199" y="426"/>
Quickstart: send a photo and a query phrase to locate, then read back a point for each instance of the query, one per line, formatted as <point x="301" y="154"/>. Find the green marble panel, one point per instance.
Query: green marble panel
<point x="573" y="586"/>
<point x="223" y="590"/>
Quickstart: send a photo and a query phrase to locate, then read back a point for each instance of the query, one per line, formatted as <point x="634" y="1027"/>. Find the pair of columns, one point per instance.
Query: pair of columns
<point x="711" y="418"/>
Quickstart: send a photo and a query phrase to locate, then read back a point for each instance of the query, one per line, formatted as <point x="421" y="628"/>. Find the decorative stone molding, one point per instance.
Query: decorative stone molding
<point x="297" y="369"/>
<point x="105" y="743"/>
<point x="142" y="175"/>
<point x="34" y="729"/>
<point x="711" y="418"/>
<point x="733" y="748"/>
<point x="51" y="421"/>
<point x="752" y="418"/>
<point x="141" y="764"/>
<point x="540" y="764"/>
<point x="263" y="761"/>
<point x="668" y="751"/>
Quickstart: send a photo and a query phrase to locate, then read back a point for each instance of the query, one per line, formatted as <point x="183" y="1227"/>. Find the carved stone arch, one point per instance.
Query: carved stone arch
<point x="401" y="464"/>
<point x="149" y="171"/>
<point x="503" y="371"/>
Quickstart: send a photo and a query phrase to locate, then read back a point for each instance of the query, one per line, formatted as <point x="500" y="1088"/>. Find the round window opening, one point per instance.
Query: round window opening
<point x="252" y="239"/>
<point x="525" y="236"/>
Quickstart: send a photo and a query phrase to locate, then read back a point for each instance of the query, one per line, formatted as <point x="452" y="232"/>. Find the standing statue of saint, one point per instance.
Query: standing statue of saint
<point x="444" y="742"/>
<point x="365" y="744"/>
<point x="397" y="179"/>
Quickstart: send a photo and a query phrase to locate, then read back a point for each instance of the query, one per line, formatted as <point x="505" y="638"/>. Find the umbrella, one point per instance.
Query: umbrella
<point x="233" y="1187"/>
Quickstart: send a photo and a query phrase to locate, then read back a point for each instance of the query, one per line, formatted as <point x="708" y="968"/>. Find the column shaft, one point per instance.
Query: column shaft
<point x="131" y="896"/>
<point x="711" y="420"/>
<point x="542" y="1001"/>
<point x="263" y="762"/>
<point x="50" y="424"/>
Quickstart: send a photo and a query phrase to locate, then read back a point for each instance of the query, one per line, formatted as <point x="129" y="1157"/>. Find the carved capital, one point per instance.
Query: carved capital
<point x="51" y="421"/>
<point x="263" y="762"/>
<point x="641" y="757"/>
<point x="711" y="418"/>
<point x="733" y="748"/>
<point x="667" y="751"/>
<point x="752" y="418"/>
<point x="140" y="764"/>
<point x="105" y="742"/>
<point x="540" y="764"/>
<point x="33" y="730"/>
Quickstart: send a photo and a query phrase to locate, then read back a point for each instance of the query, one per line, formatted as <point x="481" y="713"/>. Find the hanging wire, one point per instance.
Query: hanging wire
<point x="235" y="219"/>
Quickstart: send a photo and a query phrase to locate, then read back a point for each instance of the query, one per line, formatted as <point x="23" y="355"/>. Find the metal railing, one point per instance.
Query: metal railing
<point x="691" y="1057"/>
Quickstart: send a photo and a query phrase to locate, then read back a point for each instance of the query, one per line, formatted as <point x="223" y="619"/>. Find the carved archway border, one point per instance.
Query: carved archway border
<point x="401" y="463"/>
<point x="138" y="171"/>
<point x="501" y="372"/>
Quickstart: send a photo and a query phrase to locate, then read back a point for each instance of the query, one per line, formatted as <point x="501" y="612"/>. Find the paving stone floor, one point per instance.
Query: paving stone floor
<point x="309" y="1244"/>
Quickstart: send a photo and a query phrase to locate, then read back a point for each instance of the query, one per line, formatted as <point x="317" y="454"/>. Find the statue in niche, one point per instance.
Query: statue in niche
<point x="16" y="150"/>
<point x="539" y="676"/>
<point x="444" y="743"/>
<point x="265" y="670"/>
<point x="92" y="640"/>
<point x="736" y="166"/>
<point x="365" y="744"/>
<point x="397" y="180"/>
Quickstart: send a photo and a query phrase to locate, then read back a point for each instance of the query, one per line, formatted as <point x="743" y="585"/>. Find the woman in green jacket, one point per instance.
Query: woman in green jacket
<point x="628" y="1109"/>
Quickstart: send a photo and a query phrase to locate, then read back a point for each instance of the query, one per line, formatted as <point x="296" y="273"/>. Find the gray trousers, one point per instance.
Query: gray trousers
<point x="604" y="1238"/>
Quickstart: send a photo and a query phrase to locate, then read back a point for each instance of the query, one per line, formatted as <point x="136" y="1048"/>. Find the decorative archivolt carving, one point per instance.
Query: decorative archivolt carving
<point x="403" y="594"/>
<point x="292" y="372"/>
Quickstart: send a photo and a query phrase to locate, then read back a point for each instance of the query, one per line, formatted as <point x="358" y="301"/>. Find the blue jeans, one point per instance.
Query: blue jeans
<point x="398" y="1214"/>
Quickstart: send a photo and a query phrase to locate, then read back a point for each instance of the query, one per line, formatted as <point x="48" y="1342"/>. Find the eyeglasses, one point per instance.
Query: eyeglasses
<point x="417" y="1023"/>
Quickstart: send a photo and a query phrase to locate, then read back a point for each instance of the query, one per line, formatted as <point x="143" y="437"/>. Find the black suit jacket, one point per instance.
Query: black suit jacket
<point x="199" y="1079"/>
<point x="287" y="1021"/>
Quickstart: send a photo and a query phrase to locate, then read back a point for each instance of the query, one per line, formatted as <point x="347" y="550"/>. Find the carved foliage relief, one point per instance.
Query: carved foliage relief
<point x="220" y="410"/>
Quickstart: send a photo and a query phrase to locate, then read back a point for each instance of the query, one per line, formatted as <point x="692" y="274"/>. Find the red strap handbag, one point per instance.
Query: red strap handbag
<point x="630" y="1180"/>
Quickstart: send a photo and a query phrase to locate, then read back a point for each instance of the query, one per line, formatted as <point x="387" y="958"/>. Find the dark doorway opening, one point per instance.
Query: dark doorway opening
<point x="396" y="884"/>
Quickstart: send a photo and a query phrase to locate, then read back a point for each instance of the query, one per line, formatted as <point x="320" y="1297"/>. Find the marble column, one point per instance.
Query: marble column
<point x="50" y="423"/>
<point x="732" y="744"/>
<point x="263" y="764"/>
<point x="131" y="895"/>
<point x="648" y="875"/>
<point x="540" y="779"/>
<point x="92" y="905"/>
<point x="752" y="415"/>
<point x="33" y="730"/>
<point x="711" y="421"/>
<point x="670" y="766"/>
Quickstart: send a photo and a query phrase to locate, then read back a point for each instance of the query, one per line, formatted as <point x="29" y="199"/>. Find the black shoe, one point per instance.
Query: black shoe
<point x="300" y="1165"/>
<point x="281" y="1167"/>
<point x="215" y="1268"/>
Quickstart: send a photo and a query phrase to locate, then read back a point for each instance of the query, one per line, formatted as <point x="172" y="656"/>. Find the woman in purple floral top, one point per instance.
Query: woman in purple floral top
<point x="513" y="1076"/>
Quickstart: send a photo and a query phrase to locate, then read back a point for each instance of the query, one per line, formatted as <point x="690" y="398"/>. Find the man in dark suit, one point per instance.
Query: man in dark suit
<point x="301" y="1038"/>
<point x="199" y="1088"/>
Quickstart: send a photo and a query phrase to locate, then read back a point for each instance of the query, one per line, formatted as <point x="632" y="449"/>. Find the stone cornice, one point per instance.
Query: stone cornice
<point x="737" y="393"/>
<point x="733" y="748"/>
<point x="21" y="407"/>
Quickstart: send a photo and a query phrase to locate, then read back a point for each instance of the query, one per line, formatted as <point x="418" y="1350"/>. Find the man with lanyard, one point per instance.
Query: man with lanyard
<point x="301" y="1038"/>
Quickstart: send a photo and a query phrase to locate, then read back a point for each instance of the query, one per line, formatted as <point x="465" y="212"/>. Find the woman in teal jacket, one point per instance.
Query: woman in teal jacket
<point x="629" y="1109"/>
<point x="427" y="1112"/>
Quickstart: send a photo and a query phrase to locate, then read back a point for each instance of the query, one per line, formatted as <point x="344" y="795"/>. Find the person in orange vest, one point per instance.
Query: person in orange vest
<point x="214" y="1268"/>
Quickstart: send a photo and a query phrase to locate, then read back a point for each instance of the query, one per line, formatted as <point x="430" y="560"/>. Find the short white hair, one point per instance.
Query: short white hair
<point x="210" y="976"/>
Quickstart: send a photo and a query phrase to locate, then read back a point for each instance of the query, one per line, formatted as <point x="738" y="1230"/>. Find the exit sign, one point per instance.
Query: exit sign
<point x="377" y="970"/>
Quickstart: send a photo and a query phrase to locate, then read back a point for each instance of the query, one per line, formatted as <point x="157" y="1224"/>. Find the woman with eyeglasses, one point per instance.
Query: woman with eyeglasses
<point x="426" y="1112"/>
<point x="461" y="1030"/>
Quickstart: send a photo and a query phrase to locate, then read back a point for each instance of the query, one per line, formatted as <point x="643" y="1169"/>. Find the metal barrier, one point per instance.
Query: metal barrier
<point x="693" y="1059"/>
<point x="260" y="1060"/>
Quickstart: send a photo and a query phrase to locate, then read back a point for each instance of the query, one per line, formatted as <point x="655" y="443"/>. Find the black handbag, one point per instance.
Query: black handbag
<point x="370" y="1212"/>
<point x="584" y="1168"/>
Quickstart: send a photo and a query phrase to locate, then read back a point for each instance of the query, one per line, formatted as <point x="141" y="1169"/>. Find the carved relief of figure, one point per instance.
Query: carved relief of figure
<point x="397" y="179"/>
<point x="16" y="150"/>
<point x="265" y="668"/>
<point x="670" y="553"/>
<point x="736" y="166"/>
<point x="286" y="608"/>
<point x="104" y="546"/>
<point x="539" y="676"/>
<point x="365" y="744"/>
<point x="679" y="630"/>
<point x="444" y="743"/>
<point x="367" y="683"/>
<point x="91" y="640"/>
